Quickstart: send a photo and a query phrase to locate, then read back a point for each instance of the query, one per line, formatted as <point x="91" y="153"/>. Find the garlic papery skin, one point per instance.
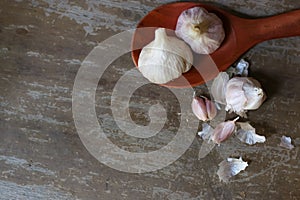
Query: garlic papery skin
<point x="247" y="134"/>
<point x="230" y="167"/>
<point x="223" y="131"/>
<point x="242" y="94"/>
<point x="165" y="58"/>
<point x="218" y="87"/>
<point x="203" y="108"/>
<point x="202" y="30"/>
<point x="286" y="142"/>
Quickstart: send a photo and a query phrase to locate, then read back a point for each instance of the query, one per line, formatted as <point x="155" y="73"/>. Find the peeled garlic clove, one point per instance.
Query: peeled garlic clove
<point x="223" y="131"/>
<point x="286" y="142"/>
<point x="230" y="167"/>
<point x="202" y="30"/>
<point x="199" y="108"/>
<point x="242" y="94"/>
<point x="247" y="134"/>
<point x="165" y="58"/>
<point x="218" y="87"/>
<point x="210" y="108"/>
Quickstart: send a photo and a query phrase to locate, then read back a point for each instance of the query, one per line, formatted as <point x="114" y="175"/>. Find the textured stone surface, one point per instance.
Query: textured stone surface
<point x="42" y="45"/>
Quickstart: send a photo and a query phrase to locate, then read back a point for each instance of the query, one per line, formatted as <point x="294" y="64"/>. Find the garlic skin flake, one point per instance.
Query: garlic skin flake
<point x="286" y="142"/>
<point x="202" y="30"/>
<point x="247" y="134"/>
<point x="230" y="167"/>
<point x="207" y="144"/>
<point x="242" y="94"/>
<point x="206" y="132"/>
<point x="218" y="87"/>
<point x="223" y="131"/>
<point x="203" y="108"/>
<point x="165" y="58"/>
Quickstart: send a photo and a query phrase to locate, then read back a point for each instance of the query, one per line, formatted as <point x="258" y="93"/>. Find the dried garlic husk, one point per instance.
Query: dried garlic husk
<point x="165" y="58"/>
<point x="206" y="132"/>
<point x="242" y="94"/>
<point x="203" y="108"/>
<point x="230" y="167"/>
<point x="286" y="142"/>
<point x="202" y="30"/>
<point x="218" y="87"/>
<point x="247" y="134"/>
<point x="223" y="131"/>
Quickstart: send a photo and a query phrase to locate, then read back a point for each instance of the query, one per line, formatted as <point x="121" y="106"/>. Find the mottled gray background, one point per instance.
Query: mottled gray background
<point x="42" y="44"/>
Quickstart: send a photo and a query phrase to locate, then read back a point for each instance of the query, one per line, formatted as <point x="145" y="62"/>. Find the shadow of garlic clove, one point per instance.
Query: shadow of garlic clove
<point x="165" y="58"/>
<point x="202" y="30"/>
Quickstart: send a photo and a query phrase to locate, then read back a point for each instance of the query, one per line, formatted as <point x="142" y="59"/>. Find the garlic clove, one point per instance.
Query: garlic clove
<point x="210" y="108"/>
<point x="218" y="87"/>
<point x="202" y="30"/>
<point x="165" y="58"/>
<point x="286" y="142"/>
<point x="230" y="167"/>
<point x="203" y="108"/>
<point x="199" y="108"/>
<point x="247" y="134"/>
<point x="242" y="94"/>
<point x="223" y="131"/>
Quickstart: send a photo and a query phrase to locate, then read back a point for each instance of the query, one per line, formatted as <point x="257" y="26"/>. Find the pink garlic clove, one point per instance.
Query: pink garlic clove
<point x="210" y="109"/>
<point x="199" y="108"/>
<point x="223" y="131"/>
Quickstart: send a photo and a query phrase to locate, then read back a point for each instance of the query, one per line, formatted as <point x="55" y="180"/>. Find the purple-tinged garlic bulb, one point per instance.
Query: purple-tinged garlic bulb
<point x="202" y="30"/>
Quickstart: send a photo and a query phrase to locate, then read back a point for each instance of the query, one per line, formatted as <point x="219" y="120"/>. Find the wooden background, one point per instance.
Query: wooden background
<point x="42" y="45"/>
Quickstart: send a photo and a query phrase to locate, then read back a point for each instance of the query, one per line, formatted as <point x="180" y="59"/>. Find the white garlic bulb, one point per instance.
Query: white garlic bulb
<point x="242" y="94"/>
<point x="165" y="58"/>
<point x="202" y="30"/>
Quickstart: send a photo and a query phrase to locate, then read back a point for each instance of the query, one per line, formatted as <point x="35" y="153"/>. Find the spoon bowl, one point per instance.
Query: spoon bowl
<point x="240" y="35"/>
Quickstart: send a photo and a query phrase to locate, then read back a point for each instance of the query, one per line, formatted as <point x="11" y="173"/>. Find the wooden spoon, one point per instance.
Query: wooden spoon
<point x="241" y="35"/>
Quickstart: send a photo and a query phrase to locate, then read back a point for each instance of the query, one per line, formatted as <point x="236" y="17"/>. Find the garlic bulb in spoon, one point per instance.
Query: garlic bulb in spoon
<point x="202" y="30"/>
<point x="165" y="58"/>
<point x="242" y="94"/>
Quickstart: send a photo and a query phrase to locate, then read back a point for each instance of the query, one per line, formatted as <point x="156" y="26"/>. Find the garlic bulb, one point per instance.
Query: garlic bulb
<point x="202" y="30"/>
<point x="203" y="108"/>
<point x="165" y="58"/>
<point x="230" y="167"/>
<point x="242" y="94"/>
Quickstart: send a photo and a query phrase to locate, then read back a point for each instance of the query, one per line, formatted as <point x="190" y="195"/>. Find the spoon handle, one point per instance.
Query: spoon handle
<point x="279" y="26"/>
